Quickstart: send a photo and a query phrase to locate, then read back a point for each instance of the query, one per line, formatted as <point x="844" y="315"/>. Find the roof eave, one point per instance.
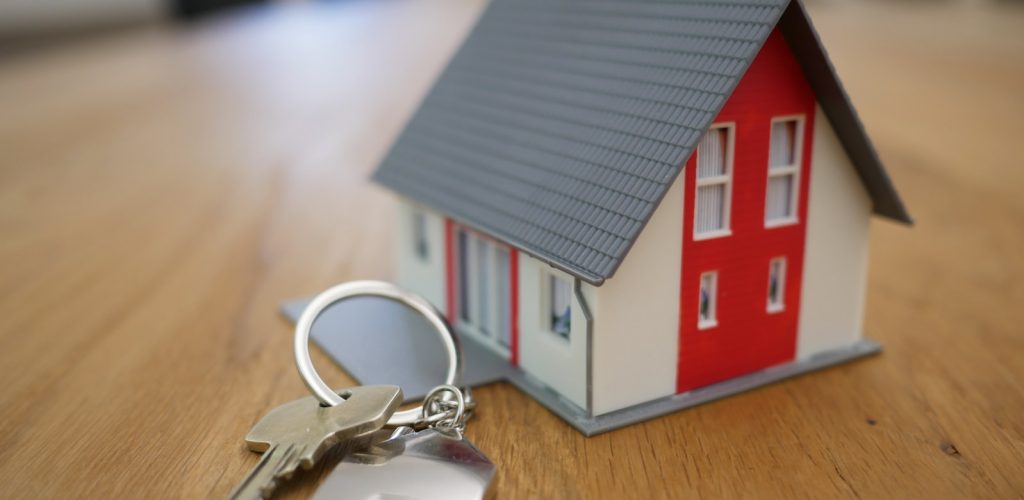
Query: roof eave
<point x="799" y="32"/>
<point x="578" y="272"/>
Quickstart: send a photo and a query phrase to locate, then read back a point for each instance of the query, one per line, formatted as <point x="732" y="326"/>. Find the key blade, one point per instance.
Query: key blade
<point x="262" y="479"/>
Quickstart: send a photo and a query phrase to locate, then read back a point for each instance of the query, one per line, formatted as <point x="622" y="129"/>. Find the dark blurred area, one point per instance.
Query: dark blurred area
<point x="192" y="9"/>
<point x="32" y="24"/>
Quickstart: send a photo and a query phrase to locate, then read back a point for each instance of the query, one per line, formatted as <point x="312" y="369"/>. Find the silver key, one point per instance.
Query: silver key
<point x="299" y="432"/>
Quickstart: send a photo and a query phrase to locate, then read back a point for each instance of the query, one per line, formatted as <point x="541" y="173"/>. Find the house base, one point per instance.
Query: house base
<point x="645" y="411"/>
<point x="407" y="353"/>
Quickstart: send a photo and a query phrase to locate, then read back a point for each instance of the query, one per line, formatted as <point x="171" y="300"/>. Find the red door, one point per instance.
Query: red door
<point x="745" y="213"/>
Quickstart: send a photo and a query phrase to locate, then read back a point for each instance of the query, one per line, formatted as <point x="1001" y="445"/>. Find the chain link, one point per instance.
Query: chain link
<point x="446" y="406"/>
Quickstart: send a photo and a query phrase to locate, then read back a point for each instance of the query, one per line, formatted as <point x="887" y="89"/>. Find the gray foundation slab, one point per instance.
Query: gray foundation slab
<point x="381" y="342"/>
<point x="652" y="409"/>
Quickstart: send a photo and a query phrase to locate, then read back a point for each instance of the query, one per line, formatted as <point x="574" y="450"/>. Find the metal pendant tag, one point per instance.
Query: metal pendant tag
<point x="435" y="463"/>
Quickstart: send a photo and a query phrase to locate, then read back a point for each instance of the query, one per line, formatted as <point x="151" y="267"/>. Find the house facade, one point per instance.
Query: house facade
<point x="620" y="253"/>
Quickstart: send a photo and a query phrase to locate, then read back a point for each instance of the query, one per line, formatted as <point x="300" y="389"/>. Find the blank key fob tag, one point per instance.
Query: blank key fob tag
<point x="434" y="463"/>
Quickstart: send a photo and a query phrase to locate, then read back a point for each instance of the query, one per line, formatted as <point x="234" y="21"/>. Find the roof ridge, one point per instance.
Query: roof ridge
<point x="660" y="34"/>
<point x="644" y="82"/>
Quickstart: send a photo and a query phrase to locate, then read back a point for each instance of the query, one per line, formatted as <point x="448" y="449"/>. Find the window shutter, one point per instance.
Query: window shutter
<point x="783" y="141"/>
<point x="711" y="159"/>
<point x="780" y="195"/>
<point x="710" y="204"/>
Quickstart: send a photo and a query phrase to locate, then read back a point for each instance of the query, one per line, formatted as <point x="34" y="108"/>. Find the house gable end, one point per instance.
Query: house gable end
<point x="806" y="45"/>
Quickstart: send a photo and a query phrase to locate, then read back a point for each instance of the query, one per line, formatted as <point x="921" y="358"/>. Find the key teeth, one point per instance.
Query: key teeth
<point x="267" y="490"/>
<point x="285" y="470"/>
<point x="288" y="463"/>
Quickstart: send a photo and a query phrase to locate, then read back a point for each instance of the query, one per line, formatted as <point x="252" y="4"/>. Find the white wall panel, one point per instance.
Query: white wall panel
<point x="423" y="276"/>
<point x="636" y="315"/>
<point x="559" y="363"/>
<point x="836" y="259"/>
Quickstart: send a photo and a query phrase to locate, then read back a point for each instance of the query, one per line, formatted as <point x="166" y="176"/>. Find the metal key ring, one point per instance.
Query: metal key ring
<point x="312" y="379"/>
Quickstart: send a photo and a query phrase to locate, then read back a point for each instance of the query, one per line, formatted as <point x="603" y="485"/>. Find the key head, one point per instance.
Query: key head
<point x="313" y="428"/>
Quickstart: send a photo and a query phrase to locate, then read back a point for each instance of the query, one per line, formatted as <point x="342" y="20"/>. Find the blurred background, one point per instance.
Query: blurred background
<point x="25" y="23"/>
<point x="34" y="22"/>
<point x="25" y="20"/>
<point x="172" y="170"/>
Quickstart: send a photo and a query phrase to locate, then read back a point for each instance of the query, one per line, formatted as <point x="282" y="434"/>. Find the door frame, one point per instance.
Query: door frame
<point x="453" y="257"/>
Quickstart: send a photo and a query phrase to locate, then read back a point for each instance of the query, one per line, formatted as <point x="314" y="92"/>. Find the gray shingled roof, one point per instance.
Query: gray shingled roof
<point x="560" y="124"/>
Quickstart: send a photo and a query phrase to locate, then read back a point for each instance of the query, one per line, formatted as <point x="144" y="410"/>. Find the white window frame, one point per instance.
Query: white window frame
<point x="780" y="304"/>
<point x="547" y="301"/>
<point x="794" y="170"/>
<point x="726" y="179"/>
<point x="490" y="333"/>
<point x="704" y="324"/>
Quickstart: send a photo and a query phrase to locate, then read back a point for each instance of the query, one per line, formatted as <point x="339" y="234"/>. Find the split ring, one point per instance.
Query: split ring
<point x="316" y="384"/>
<point x="447" y="418"/>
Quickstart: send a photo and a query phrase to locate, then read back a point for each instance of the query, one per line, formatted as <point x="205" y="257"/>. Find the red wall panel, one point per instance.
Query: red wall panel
<point x="747" y="337"/>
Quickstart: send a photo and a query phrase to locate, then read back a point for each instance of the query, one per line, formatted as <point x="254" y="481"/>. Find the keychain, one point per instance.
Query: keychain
<point x="434" y="463"/>
<point x="425" y="457"/>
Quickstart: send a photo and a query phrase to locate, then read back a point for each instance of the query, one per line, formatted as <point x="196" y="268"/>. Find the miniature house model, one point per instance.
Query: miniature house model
<point x="634" y="201"/>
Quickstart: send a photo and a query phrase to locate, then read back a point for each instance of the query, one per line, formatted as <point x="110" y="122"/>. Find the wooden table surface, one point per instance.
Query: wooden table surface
<point x="163" y="189"/>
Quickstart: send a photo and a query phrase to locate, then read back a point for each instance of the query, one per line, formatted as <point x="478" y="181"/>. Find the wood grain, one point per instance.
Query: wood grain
<point x="162" y="190"/>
